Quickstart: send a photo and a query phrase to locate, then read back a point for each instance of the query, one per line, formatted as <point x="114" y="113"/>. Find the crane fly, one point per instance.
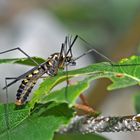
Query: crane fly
<point x="56" y="61"/>
<point x="50" y="67"/>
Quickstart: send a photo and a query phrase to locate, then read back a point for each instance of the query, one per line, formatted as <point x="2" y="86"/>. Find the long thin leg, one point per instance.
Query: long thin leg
<point x="75" y="38"/>
<point x="67" y="80"/>
<point x="93" y="50"/>
<point x="70" y="44"/>
<point x="12" y="78"/>
<point x="6" y="110"/>
<point x="65" y="46"/>
<point x="15" y="79"/>
<point x="67" y="84"/>
<point x="19" y="49"/>
<point x="100" y="54"/>
<point x="6" y="105"/>
<point x="62" y="49"/>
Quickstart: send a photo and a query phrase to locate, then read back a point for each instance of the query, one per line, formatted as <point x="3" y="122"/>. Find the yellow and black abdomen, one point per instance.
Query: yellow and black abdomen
<point x="27" y="85"/>
<point x="50" y="67"/>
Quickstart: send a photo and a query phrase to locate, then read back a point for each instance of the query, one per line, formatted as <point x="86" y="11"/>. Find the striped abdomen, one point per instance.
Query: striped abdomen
<point x="25" y="88"/>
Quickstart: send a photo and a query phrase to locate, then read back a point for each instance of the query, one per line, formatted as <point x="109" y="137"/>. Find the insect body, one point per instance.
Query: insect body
<point x="54" y="62"/>
<point x="49" y="67"/>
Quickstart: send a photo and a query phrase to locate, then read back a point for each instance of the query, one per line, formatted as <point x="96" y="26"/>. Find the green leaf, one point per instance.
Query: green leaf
<point x="44" y="120"/>
<point x="137" y="103"/>
<point x="22" y="61"/>
<point x="124" y="74"/>
<point x="15" y="116"/>
<point x="70" y="96"/>
<point x="45" y="117"/>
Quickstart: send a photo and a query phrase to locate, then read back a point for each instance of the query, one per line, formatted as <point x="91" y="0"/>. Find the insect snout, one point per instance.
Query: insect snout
<point x="72" y="63"/>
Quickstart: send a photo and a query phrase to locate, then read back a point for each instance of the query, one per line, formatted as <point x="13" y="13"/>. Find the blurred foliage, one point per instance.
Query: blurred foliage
<point x="98" y="20"/>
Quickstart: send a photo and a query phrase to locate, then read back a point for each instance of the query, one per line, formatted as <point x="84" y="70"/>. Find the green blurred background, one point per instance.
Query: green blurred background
<point x="113" y="25"/>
